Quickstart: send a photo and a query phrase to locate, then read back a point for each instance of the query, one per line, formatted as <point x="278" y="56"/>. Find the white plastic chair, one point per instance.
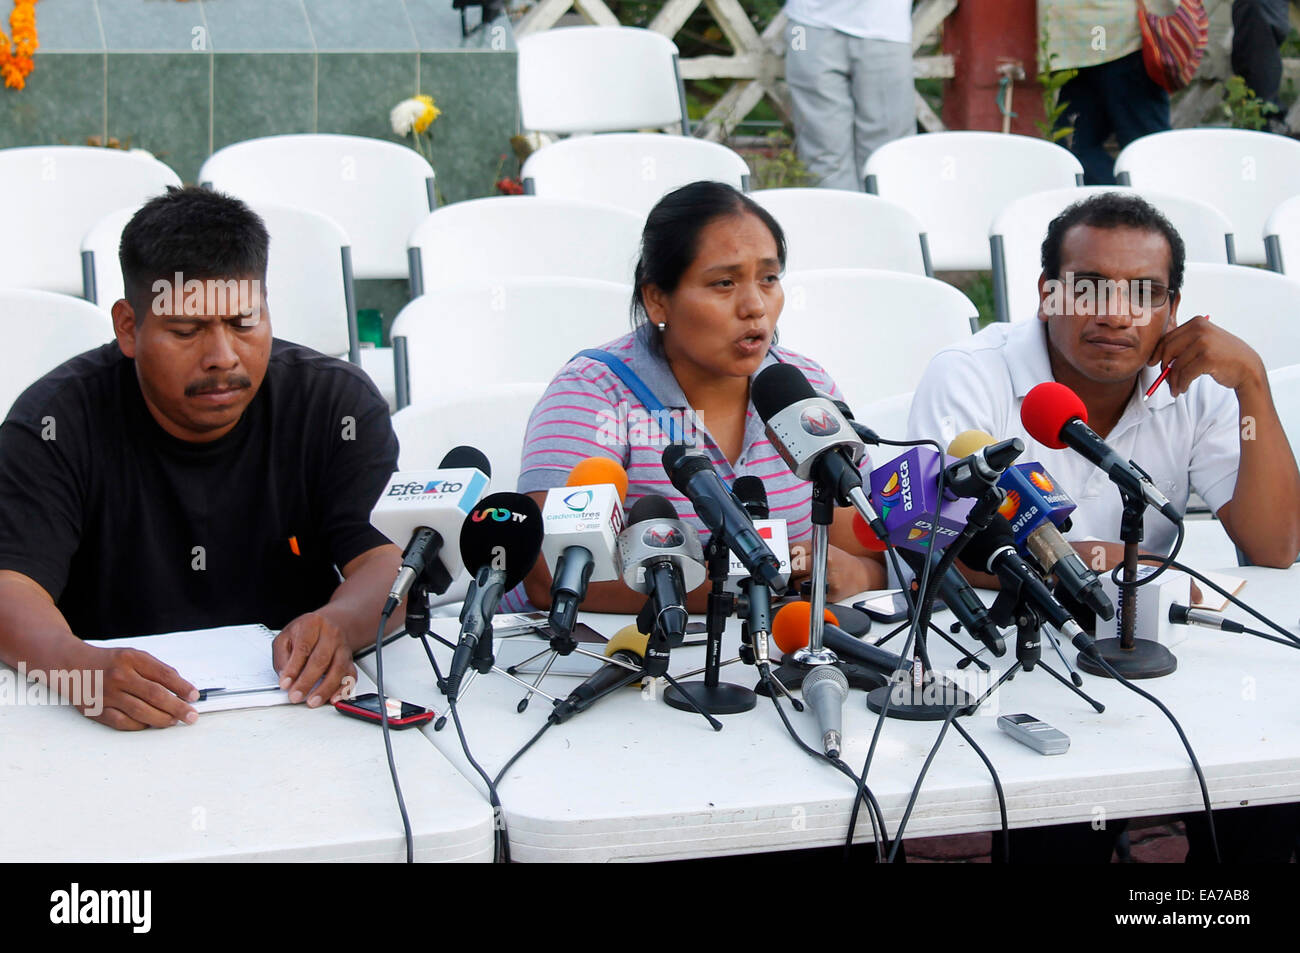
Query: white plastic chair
<point x="454" y="341"/>
<point x="1260" y="307"/>
<point x="42" y="330"/>
<point x="377" y="190"/>
<point x="834" y="228"/>
<point x="523" y="236"/>
<point x="887" y="417"/>
<point x="1242" y="173"/>
<point x="308" y="275"/>
<point x="1016" y="239"/>
<point x="873" y="331"/>
<point x="494" y="420"/>
<point x="631" y="170"/>
<point x="599" y="79"/>
<point x="1282" y="237"/>
<point x="956" y="182"/>
<point x="53" y="195"/>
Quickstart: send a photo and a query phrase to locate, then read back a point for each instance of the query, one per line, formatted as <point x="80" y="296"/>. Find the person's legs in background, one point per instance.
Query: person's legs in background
<point x="817" y="72"/>
<point x="1136" y="104"/>
<point x="884" y="96"/>
<point x="1085" y="111"/>
<point x="1258" y="29"/>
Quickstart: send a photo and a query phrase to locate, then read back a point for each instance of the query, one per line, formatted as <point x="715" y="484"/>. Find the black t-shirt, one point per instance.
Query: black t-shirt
<point x="134" y="532"/>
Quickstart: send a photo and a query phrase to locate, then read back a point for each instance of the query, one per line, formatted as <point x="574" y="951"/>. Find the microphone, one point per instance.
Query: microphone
<point x="499" y="543"/>
<point x="905" y="488"/>
<point x="692" y="473"/>
<point x="824" y="690"/>
<point x="752" y="496"/>
<point x="981" y="463"/>
<point x="628" y="645"/>
<point x="661" y="556"/>
<point x="582" y="520"/>
<point x="790" y="633"/>
<point x="426" y="508"/>
<point x="1186" y="615"/>
<point x="1035" y="507"/>
<point x="812" y="436"/>
<point x="1055" y="416"/>
<point x="993" y="550"/>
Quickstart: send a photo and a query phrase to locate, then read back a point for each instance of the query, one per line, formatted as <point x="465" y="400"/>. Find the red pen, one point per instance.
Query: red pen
<point x="1163" y="374"/>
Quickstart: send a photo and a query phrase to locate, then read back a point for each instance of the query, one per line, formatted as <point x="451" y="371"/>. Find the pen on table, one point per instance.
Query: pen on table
<point x="206" y="693"/>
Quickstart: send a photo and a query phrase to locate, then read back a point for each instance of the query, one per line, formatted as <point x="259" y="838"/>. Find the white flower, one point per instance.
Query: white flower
<point x="405" y="114"/>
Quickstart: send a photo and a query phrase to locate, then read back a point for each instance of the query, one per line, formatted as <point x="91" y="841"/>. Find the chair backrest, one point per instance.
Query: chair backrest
<point x="308" y="275"/>
<point x="956" y="182"/>
<point x="53" y="195"/>
<point x="1016" y="239"/>
<point x="1242" y="173"/>
<point x="835" y="228"/>
<point x="873" y="331"/>
<point x="42" y="330"/>
<point x="464" y="337"/>
<point x="1260" y="307"/>
<point x="1285" y="384"/>
<point x="1282" y="237"/>
<point x="493" y="420"/>
<point x="631" y="170"/>
<point x="377" y="190"/>
<point x="888" y="418"/>
<point x="599" y="79"/>
<point x="523" y="236"/>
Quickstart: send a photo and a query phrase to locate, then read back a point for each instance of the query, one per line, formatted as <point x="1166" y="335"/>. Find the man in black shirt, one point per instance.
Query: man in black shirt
<point x="194" y="473"/>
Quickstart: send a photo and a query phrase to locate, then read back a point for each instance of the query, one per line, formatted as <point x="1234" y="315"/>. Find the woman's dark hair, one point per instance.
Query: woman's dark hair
<point x="1114" y="210"/>
<point x="198" y="232"/>
<point x="671" y="239"/>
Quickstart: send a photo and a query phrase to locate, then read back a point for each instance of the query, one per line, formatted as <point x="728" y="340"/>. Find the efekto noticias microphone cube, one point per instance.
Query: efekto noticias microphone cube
<point x="438" y="499"/>
<point x="904" y="490"/>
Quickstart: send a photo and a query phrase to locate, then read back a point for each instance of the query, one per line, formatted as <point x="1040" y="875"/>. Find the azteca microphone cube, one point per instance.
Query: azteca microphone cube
<point x="904" y="490"/>
<point x="587" y="516"/>
<point x="438" y="499"/>
<point x="777" y="537"/>
<point x="1153" y="602"/>
<point x="1032" y="497"/>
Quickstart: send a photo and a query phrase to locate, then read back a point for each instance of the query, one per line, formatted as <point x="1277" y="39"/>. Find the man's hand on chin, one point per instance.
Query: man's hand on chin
<point x="313" y="649"/>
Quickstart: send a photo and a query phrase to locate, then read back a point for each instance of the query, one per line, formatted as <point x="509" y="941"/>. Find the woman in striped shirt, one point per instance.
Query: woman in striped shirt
<point x="705" y="307"/>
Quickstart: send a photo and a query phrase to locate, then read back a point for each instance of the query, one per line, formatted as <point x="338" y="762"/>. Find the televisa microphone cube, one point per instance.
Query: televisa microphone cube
<point x="1032" y="494"/>
<point x="904" y="490"/>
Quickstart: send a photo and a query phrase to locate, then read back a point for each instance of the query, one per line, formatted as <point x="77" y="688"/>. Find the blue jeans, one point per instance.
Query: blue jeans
<point x="1116" y="97"/>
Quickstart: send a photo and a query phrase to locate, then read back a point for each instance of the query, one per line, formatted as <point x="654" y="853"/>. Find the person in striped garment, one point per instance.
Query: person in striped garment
<point x="705" y="306"/>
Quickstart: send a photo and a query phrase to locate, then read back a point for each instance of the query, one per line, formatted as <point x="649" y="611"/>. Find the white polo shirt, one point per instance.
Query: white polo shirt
<point x="1188" y="443"/>
<point x="871" y="19"/>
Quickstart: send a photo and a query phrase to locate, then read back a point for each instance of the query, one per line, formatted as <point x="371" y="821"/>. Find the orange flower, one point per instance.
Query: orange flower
<point x="16" y="62"/>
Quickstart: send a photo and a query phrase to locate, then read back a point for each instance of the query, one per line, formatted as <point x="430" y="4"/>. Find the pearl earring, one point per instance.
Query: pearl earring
<point x="662" y="325"/>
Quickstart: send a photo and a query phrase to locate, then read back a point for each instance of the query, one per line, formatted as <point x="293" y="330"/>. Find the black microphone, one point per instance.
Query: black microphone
<point x="627" y="645"/>
<point x="958" y="595"/>
<point x="692" y="473"/>
<point x="499" y="542"/>
<point x="752" y="495"/>
<point x="993" y="550"/>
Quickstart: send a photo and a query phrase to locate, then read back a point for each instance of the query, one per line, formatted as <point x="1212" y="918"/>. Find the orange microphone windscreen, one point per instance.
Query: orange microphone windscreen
<point x="866" y="535"/>
<point x="597" y="470"/>
<point x="790" y="625"/>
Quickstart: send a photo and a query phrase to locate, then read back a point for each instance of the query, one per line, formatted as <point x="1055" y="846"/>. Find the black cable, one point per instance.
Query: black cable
<point x="370" y="649"/>
<point x="997" y="786"/>
<point x="872" y="805"/>
<point x="500" y="836"/>
<point x="388" y="739"/>
<point x="520" y="753"/>
<point x="1230" y="597"/>
<point x="1166" y="562"/>
<point x="920" y="778"/>
<point x="1196" y="765"/>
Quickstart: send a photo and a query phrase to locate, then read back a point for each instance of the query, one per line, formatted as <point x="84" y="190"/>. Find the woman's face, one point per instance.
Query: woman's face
<point x="724" y="310"/>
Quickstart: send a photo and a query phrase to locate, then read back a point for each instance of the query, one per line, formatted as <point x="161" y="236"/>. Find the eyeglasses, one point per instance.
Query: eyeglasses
<point x="1091" y="293"/>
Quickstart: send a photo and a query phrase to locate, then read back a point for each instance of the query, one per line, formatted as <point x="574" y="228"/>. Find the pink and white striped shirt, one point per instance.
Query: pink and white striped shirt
<point x="587" y="411"/>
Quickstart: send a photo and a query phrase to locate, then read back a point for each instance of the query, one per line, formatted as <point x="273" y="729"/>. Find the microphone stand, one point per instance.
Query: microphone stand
<point x="1130" y="656"/>
<point x="711" y="695"/>
<point x="560" y="644"/>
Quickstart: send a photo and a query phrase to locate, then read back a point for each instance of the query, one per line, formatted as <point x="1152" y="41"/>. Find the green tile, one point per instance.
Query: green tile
<point x="257" y="26"/>
<point x="261" y="94"/>
<point x="356" y="91"/>
<point x="160" y="102"/>
<point x="67" y="26"/>
<point x="480" y="112"/>
<point x="372" y="26"/>
<point x="62" y="104"/>
<point x="150" y="25"/>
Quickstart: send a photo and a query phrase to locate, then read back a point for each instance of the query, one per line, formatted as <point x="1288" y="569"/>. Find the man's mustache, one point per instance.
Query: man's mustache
<point x="210" y="384"/>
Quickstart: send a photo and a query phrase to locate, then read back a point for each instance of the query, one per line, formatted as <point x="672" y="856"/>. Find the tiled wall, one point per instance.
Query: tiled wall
<point x="183" y="79"/>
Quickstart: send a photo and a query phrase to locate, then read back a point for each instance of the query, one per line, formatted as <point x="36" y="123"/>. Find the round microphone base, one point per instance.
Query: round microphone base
<point x="790" y="674"/>
<point x="1147" y="659"/>
<point x="931" y="702"/>
<point x="721" y="699"/>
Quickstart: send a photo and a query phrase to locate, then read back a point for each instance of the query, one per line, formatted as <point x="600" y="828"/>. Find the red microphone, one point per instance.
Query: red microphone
<point x="866" y="535"/>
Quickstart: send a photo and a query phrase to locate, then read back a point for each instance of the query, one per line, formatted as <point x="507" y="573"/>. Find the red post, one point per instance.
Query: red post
<point x="978" y="35"/>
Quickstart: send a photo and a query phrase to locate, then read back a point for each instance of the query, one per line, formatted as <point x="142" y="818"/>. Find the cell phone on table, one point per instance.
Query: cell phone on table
<point x="400" y="714"/>
<point x="887" y="605"/>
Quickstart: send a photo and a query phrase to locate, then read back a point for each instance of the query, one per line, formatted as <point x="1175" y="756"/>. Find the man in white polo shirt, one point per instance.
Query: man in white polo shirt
<point x="1107" y="326"/>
